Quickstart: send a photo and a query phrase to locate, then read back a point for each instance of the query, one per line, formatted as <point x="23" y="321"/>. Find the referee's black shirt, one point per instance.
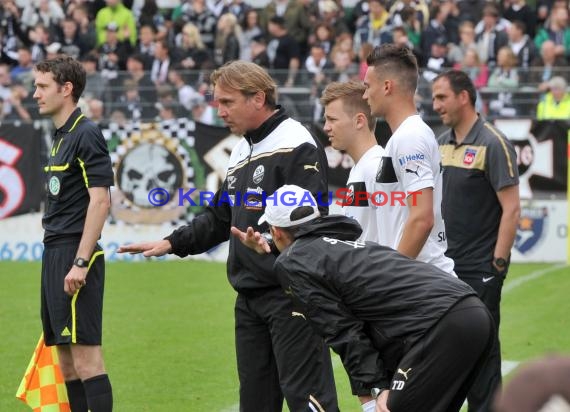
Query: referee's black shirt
<point x="78" y="160"/>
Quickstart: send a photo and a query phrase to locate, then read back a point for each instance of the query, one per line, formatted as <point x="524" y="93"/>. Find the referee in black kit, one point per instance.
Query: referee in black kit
<point x="78" y="177"/>
<point x="411" y="337"/>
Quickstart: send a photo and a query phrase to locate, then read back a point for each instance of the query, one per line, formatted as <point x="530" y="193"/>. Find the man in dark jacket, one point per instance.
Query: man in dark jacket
<point x="278" y="354"/>
<point x="408" y="334"/>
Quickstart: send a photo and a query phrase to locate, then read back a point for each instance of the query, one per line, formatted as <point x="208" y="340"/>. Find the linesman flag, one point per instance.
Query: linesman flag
<point x="42" y="387"/>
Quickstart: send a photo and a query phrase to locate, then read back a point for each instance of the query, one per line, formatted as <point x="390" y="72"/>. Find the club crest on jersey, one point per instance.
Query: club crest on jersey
<point x="530" y="228"/>
<point x="258" y="174"/>
<point x="231" y="179"/>
<point x="54" y="185"/>
<point x="469" y="156"/>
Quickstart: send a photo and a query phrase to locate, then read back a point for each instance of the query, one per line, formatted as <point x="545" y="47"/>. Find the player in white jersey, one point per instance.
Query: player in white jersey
<point x="350" y="127"/>
<point x="409" y="175"/>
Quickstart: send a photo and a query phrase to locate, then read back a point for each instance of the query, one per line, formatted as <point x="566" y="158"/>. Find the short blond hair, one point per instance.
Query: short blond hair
<point x="247" y="78"/>
<point x="350" y="93"/>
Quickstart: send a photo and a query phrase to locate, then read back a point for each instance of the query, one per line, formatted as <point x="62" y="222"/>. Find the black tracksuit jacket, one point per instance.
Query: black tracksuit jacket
<point x="281" y="151"/>
<point x="370" y="303"/>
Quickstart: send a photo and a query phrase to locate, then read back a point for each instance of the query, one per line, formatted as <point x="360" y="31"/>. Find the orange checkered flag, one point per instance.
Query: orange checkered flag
<point x="42" y="387"/>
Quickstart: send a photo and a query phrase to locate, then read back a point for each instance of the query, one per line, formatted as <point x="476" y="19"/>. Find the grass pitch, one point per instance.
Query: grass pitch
<point x="168" y="331"/>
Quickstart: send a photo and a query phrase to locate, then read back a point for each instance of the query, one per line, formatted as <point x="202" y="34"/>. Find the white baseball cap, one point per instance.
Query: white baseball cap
<point x="290" y="205"/>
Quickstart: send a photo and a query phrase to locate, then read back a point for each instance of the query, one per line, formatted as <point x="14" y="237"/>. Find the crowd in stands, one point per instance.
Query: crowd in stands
<point x="149" y="59"/>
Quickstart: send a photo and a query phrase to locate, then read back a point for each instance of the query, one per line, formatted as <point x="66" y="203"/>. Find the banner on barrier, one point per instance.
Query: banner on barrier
<point x="542" y="232"/>
<point x="20" y="170"/>
<point x="184" y="155"/>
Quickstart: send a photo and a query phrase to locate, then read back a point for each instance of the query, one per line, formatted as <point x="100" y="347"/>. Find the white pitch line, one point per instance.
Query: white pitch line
<point x="531" y="276"/>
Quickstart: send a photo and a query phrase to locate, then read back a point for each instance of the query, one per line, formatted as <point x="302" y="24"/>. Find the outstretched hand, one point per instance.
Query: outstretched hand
<point x="148" y="249"/>
<point x="252" y="240"/>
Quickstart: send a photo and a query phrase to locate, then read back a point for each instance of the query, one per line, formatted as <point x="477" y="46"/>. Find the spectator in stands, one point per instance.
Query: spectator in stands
<point x="39" y="39"/>
<point x="547" y="65"/>
<point x="70" y="41"/>
<point x="437" y="61"/>
<point x="360" y="9"/>
<point x="324" y="36"/>
<point x="373" y="27"/>
<point x="95" y="84"/>
<point x="457" y="52"/>
<point x="477" y="72"/>
<point x="295" y="17"/>
<point x="135" y="71"/>
<point x="86" y="33"/>
<point x="522" y="46"/>
<point x="420" y="10"/>
<point x="317" y="64"/>
<point x="161" y="63"/>
<point x="23" y="69"/>
<point x="543" y="8"/>
<point x="345" y="42"/>
<point x="238" y="8"/>
<point x="185" y="92"/>
<point x="435" y="30"/>
<point x="555" y="105"/>
<point x="492" y="36"/>
<point x="166" y="112"/>
<point x="363" y="53"/>
<point x="259" y="52"/>
<point x="283" y="51"/>
<point x="330" y="12"/>
<point x="47" y="12"/>
<point x="518" y="10"/>
<point x="11" y="34"/>
<point x="96" y="112"/>
<point x="400" y="36"/>
<point x="53" y="50"/>
<point x="471" y="10"/>
<point x="146" y="45"/>
<point x="216" y="7"/>
<point x="132" y="105"/>
<point x="504" y="80"/>
<point x="113" y="52"/>
<point x="250" y="30"/>
<point x="344" y="68"/>
<point x="18" y="101"/>
<point x="557" y="30"/>
<point x="228" y="39"/>
<point x="5" y="82"/>
<point x="201" y="111"/>
<point x="124" y="19"/>
<point x="197" y="13"/>
<point x="195" y="54"/>
<point x="151" y="16"/>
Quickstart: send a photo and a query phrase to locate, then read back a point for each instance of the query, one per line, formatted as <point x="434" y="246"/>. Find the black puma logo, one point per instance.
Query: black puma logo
<point x="413" y="171"/>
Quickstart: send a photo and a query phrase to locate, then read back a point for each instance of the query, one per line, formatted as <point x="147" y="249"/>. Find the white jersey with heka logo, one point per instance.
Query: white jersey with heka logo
<point x="411" y="163"/>
<point x="362" y="179"/>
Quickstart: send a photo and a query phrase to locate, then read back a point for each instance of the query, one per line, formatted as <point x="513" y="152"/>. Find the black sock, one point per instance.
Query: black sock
<point x="99" y="393"/>
<point x="76" y="395"/>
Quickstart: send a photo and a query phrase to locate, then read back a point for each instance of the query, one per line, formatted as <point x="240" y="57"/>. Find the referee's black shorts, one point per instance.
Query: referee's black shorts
<point x="71" y="319"/>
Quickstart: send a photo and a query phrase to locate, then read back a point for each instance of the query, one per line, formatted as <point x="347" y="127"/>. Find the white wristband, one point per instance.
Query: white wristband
<point x="369" y="406"/>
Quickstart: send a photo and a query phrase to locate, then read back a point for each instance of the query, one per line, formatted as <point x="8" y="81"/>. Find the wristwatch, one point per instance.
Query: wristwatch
<point x="80" y="262"/>
<point x="375" y="392"/>
<point x="500" y="262"/>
